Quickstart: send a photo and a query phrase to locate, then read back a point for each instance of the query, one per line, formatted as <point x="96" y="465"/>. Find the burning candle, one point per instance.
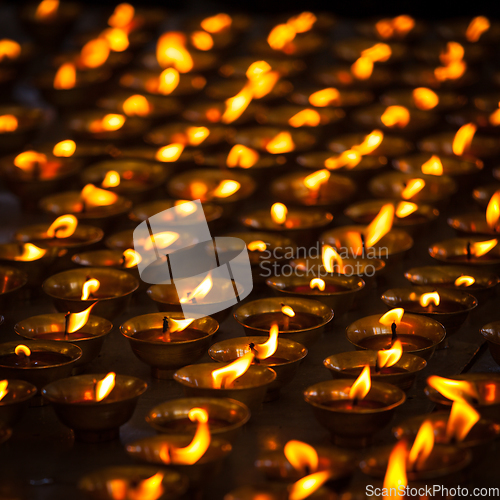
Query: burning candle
<point x="275" y="140"/>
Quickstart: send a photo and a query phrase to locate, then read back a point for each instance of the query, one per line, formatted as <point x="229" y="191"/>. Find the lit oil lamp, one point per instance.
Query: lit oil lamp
<point x="275" y="140"/>
<point x="14" y="398"/>
<point x="15" y="55"/>
<point x="38" y="362"/>
<point x="391" y="366"/>
<point x="18" y="125"/>
<point x="237" y="67"/>
<point x="187" y="134"/>
<point x="362" y="51"/>
<point x="424" y="98"/>
<point x="483" y="194"/>
<point x="133" y="481"/>
<point x="85" y="150"/>
<point x="472" y="30"/>
<point x="282" y="355"/>
<point x="491" y="333"/>
<point x="95" y="406"/>
<point x="92" y="203"/>
<point x="330" y="97"/>
<point x="77" y="289"/>
<point x="402" y="27"/>
<point x="354" y="411"/>
<point x="168" y="342"/>
<point x="13" y="280"/>
<point x="418" y="335"/>
<point x="301" y="320"/>
<point x="226" y="417"/>
<point x="82" y="329"/>
<point x="453" y="74"/>
<point x="434" y="53"/>
<point x="206" y="112"/>
<point x="337" y="291"/>
<point x="299" y="117"/>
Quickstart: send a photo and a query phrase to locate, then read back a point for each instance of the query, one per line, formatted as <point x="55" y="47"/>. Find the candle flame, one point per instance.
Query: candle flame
<point x="302" y="456"/>
<point x="170" y="153"/>
<point x="281" y="143"/>
<point x="8" y="123"/>
<point x="95" y="197"/>
<point x="30" y="252"/>
<point x="302" y="22"/>
<point x="65" y="77"/>
<point x="281" y="36"/>
<point x="462" y="419"/>
<point x="202" y="40"/>
<point x="196" y="135"/>
<point x="9" y="49"/>
<point x="269" y="347"/>
<point x="262" y="84"/>
<point x="217" y="23"/>
<point x="480" y="248"/>
<point x="380" y="225"/>
<point x="315" y="180"/>
<point x="108" y="123"/>
<point x="405" y="208"/>
<point x="4" y="384"/>
<point x="94" y="53"/>
<point x="395" y="116"/>
<point x="235" y="106"/>
<point x="148" y="489"/>
<point x="111" y="179"/>
<point x="370" y="143"/>
<point x="287" y="311"/>
<point x="476" y="28"/>
<point x="178" y="325"/>
<point x="171" y="52"/>
<point x="317" y="283"/>
<point x="47" y="9"/>
<point x="427" y="298"/>
<point x="389" y="357"/>
<point x="225" y="376"/>
<point x="361" y="386"/>
<point x="257" y="68"/>
<point x="464" y="281"/>
<point x="104" y="387"/>
<point x="463" y="138"/>
<point x="117" y="39"/>
<point x="63" y="227"/>
<point x="200" y="292"/>
<point x="305" y="118"/>
<point x="89" y="287"/>
<point x="493" y="210"/>
<point x="161" y="240"/>
<point x="494" y="118"/>
<point x="425" y="98"/>
<point x="452" y="71"/>
<point x="279" y="213"/>
<point x="330" y="259"/>
<point x="226" y="188"/>
<point x="185" y="207"/>
<point x="136" y="105"/>
<point x="348" y="159"/>
<point x="400" y="26"/>
<point x="76" y="321"/>
<point x="241" y="156"/>
<point x="28" y="160"/>
<point x="305" y="487"/>
<point x="131" y="258"/>
<point x="64" y="149"/>
<point x="168" y="81"/>
<point x="395" y="476"/>
<point x="22" y="349"/>
<point x="432" y="166"/>
<point x="325" y="97"/>
<point x="362" y="68"/>
<point x="257" y="246"/>
<point x="422" y="446"/>
<point x="455" y="390"/>
<point x="122" y="16"/>
<point x="453" y="52"/>
<point x="413" y="187"/>
<point x="392" y="316"/>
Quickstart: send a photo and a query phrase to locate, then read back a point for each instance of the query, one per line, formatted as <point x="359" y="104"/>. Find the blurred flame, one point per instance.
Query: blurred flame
<point x="302" y="456"/>
<point x="480" y="248"/>
<point x="316" y="179"/>
<point x="63" y="227"/>
<point x="64" y="149"/>
<point x="287" y="311"/>
<point x="306" y="117"/>
<point x="263" y="84"/>
<point x="9" y="49"/>
<point x="317" y="283"/>
<point x="117" y="39"/>
<point x="456" y="390"/>
<point x="413" y="187"/>
<point x="432" y="166"/>
<point x="257" y="69"/>
<point x="170" y="153"/>
<point x="111" y="179"/>
<point x="160" y="240"/>
<point x="451" y="71"/>
<point x="107" y="123"/>
<point x="171" y="51"/>
<point x="104" y="387"/>
<point x="148" y="489"/>
<point x="131" y="258"/>
<point x="94" y="53"/>
<point x="370" y="143"/>
<point x="325" y="97"/>
<point x="65" y="77"/>
<point x="461" y="420"/>
<point x="122" y="16"/>
<point x="225" y="376"/>
<point x="168" y="81"/>
<point x="390" y="357"/>
<point x="226" y="188"/>
<point x="464" y="281"/>
<point x="494" y="118"/>
<point x="235" y="106"/>
<point x="306" y="486"/>
<point x="136" y="105"/>
<point x="22" y="349"/>
<point x="241" y="156"/>
<point x="400" y="25"/>
<point x="395" y="116"/>
<point x="269" y="347"/>
<point x="476" y="28"/>
<point x="302" y="22"/>
<point x="8" y="123"/>
<point x="95" y="197"/>
<point x="361" y="386"/>
<point x="282" y="143"/>
<point x="76" y="321"/>
<point x="380" y="225"/>
<point x="279" y="213"/>
<point x="463" y="138"/>
<point x="257" y="245"/>
<point x="30" y="252"/>
<point x="202" y="40"/>
<point x="185" y="207"/>
<point x="47" y="9"/>
<point x="348" y="158"/>
<point x="330" y="259"/>
<point x="427" y="298"/>
<point x="178" y="325"/>
<point x="217" y="23"/>
<point x="405" y="208"/>
<point x="392" y="316"/>
<point x="89" y="287"/>
<point x="196" y="135"/>
<point x="28" y="160"/>
<point x="280" y="36"/>
<point x="362" y="68"/>
<point x="493" y="210"/>
<point x="422" y="446"/>
<point x="3" y="388"/>
<point x="200" y="292"/>
<point x="395" y="476"/>
<point x="425" y="98"/>
<point x="453" y="52"/>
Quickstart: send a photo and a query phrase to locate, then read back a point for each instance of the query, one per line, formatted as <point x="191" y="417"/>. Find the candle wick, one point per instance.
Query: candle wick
<point x="256" y="360"/>
<point x="355" y="402"/>
<point x="165" y="330"/>
<point x="394" y="333"/>
<point x="66" y="324"/>
<point x="468" y="250"/>
<point x="363" y="244"/>
<point x="377" y="366"/>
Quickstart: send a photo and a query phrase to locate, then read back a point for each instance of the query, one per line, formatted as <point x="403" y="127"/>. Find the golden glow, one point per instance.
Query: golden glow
<point x="493" y="210"/>
<point x="494" y="118"/>
<point x="302" y="456"/>
<point x="8" y="123"/>
<point x="241" y="156"/>
<point x="454" y="52"/>
<point x="395" y="476"/>
<point x="463" y="138"/>
<point x="280" y="36"/>
<point x="405" y="208"/>
<point x="380" y="225"/>
<point x="348" y="159"/>
<point x="30" y="252"/>
<point x="170" y="153"/>
<point x="63" y="227"/>
<point x="64" y="149"/>
<point x="217" y="23"/>
<point x="427" y="298"/>
<point x="235" y="106"/>
<point x="76" y="321"/>
<point x="400" y="26"/>
<point x="200" y="292"/>
<point x="136" y="105"/>
<point x="392" y="316"/>
<point x="223" y="377"/>
<point x="257" y="69"/>
<point x="122" y="16"/>
<point x="108" y="123"/>
<point x="257" y="246"/>
<point x="9" y="49"/>
<point x="325" y="97"/>
<point x="362" y="68"/>
<point x="455" y="390"/>
<point x="117" y="39"/>
<point x="171" y="52"/>
<point x="370" y="143"/>
<point x="306" y="117"/>
<point x="315" y="180"/>
<point x="330" y="259"/>
<point x="395" y="116"/>
<point x="22" y="349"/>
<point x="28" y="160"/>
<point x="461" y="420"/>
<point x="390" y="357"/>
<point x="47" y="9"/>
<point x="425" y="98"/>
<point x="94" y="53"/>
<point x="306" y="486"/>
<point x="226" y="188"/>
<point x="3" y="388"/>
<point x="202" y="40"/>
<point x="282" y="143"/>
<point x="413" y="187"/>
<point x="263" y="84"/>
<point x="361" y="386"/>
<point x="104" y="387"/>
<point x="168" y="81"/>
<point x="269" y="347"/>
<point x="95" y="197"/>
<point x="178" y="325"/>
<point x="65" y="77"/>
<point x="432" y="166"/>
<point x="422" y="446"/>
<point x="111" y="179"/>
<point x="160" y="240"/>
<point x="196" y="135"/>
<point x="317" y="283"/>
<point x="279" y="213"/>
<point x="287" y="311"/>
<point x="89" y="287"/>
<point x="464" y="281"/>
<point x="148" y="489"/>
<point x="185" y="207"/>
<point x="451" y="71"/>
<point x="302" y="22"/>
<point x="480" y="248"/>
<point x="476" y="28"/>
<point x="131" y="258"/>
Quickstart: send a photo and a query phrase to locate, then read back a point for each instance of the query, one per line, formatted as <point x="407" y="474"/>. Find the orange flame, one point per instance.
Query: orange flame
<point x="370" y="143"/>
<point x="95" y="197"/>
<point x="22" y="349"/>
<point x="425" y="98"/>
<point x="226" y="188"/>
<point x="63" y="227"/>
<point x="302" y="22"/>
<point x="280" y="36"/>
<point x="493" y="210"/>
<point x="392" y="316"/>
<point x="30" y="252"/>
<point x="453" y="52"/>
<point x="269" y="347"/>
<point x="200" y="292"/>
<point x="400" y="25"/>
<point x="89" y="287"/>
<point x="28" y="160"/>
<point x="3" y="388"/>
<point x="476" y="28"/>
<point x="104" y="387"/>
<point x="380" y="225"/>
<point x="282" y="143"/>
<point x="315" y="180"/>
<point x="306" y="117"/>
<point x="9" y="49"/>
<point x="8" y="123"/>
<point x="432" y="166"/>
<point x="348" y="159"/>
<point x="480" y="248"/>
<point x="287" y="311"/>
<point x="76" y="321"/>
<point x="171" y="51"/>
<point x="452" y="71"/>
<point x="131" y="258"/>
<point x="94" y="53"/>
<point x="427" y="298"/>
<point x="196" y="135"/>
<point x="217" y="23"/>
<point x="111" y="179"/>
<point x="456" y="390"/>
<point x="117" y="39"/>
<point x="390" y="357"/>
<point x="395" y="116"/>
<point x="108" y="123"/>
<point x="225" y="376"/>
<point x="302" y="456"/>
<point x="64" y="149"/>
<point x="279" y="213"/>
<point x="330" y="259"/>
<point x="160" y="240"/>
<point x="241" y="156"/>
<point x="168" y="81"/>
<point x="325" y="97"/>
<point x="122" y="16"/>
<point x="262" y="84"/>
<point x="317" y="283"/>
<point x="136" y="105"/>
<point x="464" y="281"/>
<point x="361" y="386"/>
<point x="306" y="486"/>
<point x="202" y="40"/>
<point x="422" y="446"/>
<point x="257" y="246"/>
<point x="494" y="118"/>
<point x="47" y="9"/>
<point x="178" y="325"/>
<point x="235" y="106"/>
<point x="395" y="477"/>
<point x="198" y="446"/>
<point x="148" y="489"/>
<point x="170" y="153"/>
<point x="463" y="138"/>
<point x="405" y="208"/>
<point x="413" y="187"/>
<point x="65" y="77"/>
<point x="362" y="68"/>
<point x="462" y="419"/>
